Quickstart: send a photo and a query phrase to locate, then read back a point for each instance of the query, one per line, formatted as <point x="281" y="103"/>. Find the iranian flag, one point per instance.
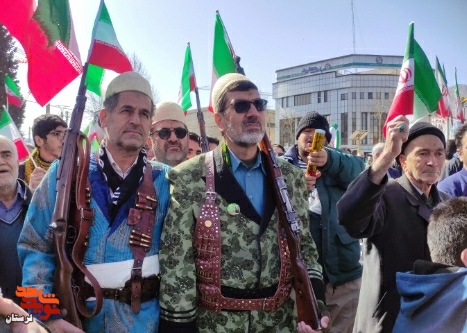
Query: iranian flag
<point x="335" y="136"/>
<point x="91" y="133"/>
<point x="459" y="109"/>
<point x="417" y="93"/>
<point x="443" y="104"/>
<point x="223" y="55"/>
<point x="105" y="51"/>
<point x="47" y="36"/>
<point x="188" y="81"/>
<point x="12" y="92"/>
<point x="9" y="129"/>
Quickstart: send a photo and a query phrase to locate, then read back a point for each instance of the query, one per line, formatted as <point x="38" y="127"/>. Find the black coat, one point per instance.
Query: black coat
<point x="393" y="217"/>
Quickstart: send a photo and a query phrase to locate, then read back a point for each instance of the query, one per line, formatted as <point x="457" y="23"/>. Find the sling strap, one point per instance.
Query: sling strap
<point x="207" y="245"/>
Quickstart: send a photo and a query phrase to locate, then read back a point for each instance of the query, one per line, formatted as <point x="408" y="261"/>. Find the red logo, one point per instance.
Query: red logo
<point x="405" y="75"/>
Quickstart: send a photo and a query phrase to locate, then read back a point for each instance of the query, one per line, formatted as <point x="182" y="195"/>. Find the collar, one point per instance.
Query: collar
<point x="20" y="190"/>
<point x="236" y="162"/>
<point x="117" y="168"/>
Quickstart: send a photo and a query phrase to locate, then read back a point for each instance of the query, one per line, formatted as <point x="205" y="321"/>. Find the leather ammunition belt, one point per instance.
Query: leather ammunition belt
<point x="249" y="293"/>
<point x="207" y="246"/>
<point x="149" y="290"/>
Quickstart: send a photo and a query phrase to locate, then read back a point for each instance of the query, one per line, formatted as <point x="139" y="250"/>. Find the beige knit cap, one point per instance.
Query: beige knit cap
<point x="169" y="111"/>
<point x="223" y="85"/>
<point x="129" y="81"/>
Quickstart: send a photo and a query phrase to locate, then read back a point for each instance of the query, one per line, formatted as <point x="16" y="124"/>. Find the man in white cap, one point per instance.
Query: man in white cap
<point x="122" y="258"/>
<point x="206" y="278"/>
<point x="169" y="134"/>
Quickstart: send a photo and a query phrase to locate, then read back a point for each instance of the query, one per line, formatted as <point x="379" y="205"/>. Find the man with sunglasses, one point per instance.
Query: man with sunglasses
<point x="169" y="134"/>
<point x="123" y="240"/>
<point x="48" y="132"/>
<point x="339" y="254"/>
<point x="220" y="248"/>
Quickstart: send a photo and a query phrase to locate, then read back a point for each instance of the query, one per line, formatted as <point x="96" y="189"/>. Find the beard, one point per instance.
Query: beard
<point x="171" y="158"/>
<point x="244" y="138"/>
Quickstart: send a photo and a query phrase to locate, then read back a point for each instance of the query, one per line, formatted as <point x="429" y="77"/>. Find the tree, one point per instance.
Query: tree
<point x="9" y="66"/>
<point x="287" y="125"/>
<point x="94" y="103"/>
<point x="378" y="114"/>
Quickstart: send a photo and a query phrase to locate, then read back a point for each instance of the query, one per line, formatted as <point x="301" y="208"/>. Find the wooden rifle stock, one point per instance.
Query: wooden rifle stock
<point x="202" y="126"/>
<point x="64" y="224"/>
<point x="307" y="305"/>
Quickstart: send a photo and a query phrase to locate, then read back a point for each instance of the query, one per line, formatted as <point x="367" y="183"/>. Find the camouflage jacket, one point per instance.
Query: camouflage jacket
<point x="249" y="255"/>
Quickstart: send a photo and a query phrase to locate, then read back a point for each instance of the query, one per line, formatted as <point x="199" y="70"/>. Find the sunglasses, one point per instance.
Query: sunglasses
<point x="243" y="105"/>
<point x="164" y="133"/>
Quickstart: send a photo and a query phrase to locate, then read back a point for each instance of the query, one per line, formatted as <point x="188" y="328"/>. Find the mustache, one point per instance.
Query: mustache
<point x="251" y="121"/>
<point x="168" y="145"/>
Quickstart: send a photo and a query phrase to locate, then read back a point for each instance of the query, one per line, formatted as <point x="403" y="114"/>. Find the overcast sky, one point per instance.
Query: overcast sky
<point x="267" y="34"/>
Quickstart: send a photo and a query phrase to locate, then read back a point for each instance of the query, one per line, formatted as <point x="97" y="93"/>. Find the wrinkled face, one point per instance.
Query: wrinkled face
<point x="8" y="164"/>
<point x="242" y="129"/>
<point x="193" y="149"/>
<point x="172" y="150"/>
<point x="127" y="126"/>
<point x="50" y="148"/>
<point x="423" y="160"/>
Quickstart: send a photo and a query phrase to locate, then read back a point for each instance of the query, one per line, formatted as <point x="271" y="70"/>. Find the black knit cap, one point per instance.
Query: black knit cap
<point x="314" y="120"/>
<point x="422" y="128"/>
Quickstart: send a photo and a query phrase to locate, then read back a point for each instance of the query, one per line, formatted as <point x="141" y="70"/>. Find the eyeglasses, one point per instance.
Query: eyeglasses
<point x="58" y="134"/>
<point x="164" y="133"/>
<point x="243" y="105"/>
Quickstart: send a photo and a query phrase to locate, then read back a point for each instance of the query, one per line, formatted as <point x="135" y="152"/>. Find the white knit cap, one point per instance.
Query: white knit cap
<point x="169" y="111"/>
<point x="223" y="84"/>
<point x="129" y="81"/>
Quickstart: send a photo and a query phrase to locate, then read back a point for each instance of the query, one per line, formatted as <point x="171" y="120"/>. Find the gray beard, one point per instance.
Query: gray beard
<point x="244" y="139"/>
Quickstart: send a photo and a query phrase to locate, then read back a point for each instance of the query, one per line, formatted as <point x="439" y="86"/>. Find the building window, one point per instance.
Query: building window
<point x="345" y="130"/>
<point x="354" y="95"/>
<point x="285" y="102"/>
<point x="343" y="97"/>
<point x="378" y="95"/>
<point x="362" y="95"/>
<point x="386" y="95"/>
<point x="354" y="121"/>
<point x="319" y="96"/>
<point x="370" y="95"/>
<point x="325" y="96"/>
<point x="303" y="99"/>
<point x="365" y="126"/>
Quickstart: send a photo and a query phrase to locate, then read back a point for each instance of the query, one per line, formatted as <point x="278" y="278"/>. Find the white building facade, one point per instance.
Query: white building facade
<point x="353" y="92"/>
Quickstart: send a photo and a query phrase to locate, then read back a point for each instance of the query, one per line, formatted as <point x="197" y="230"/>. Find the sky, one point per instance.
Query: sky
<point x="267" y="34"/>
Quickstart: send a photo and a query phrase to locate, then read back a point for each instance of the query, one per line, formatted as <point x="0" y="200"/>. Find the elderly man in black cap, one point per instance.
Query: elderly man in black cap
<point x="393" y="216"/>
<point x="339" y="254"/>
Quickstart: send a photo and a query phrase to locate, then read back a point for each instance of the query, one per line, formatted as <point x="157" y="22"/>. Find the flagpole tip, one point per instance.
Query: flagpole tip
<point x="217" y="11"/>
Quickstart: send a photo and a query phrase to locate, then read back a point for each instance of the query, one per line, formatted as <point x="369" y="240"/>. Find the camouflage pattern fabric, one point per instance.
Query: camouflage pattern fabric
<point x="249" y="260"/>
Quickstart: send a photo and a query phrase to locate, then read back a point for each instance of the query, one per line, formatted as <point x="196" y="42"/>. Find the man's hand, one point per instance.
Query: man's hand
<point x="304" y="328"/>
<point x="36" y="177"/>
<point x="310" y="182"/>
<point x="62" y="326"/>
<point x="318" y="158"/>
<point x="7" y="308"/>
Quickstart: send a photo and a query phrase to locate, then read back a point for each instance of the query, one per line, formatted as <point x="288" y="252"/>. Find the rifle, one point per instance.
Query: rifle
<point x="202" y="127"/>
<point x="69" y="230"/>
<point x="307" y="305"/>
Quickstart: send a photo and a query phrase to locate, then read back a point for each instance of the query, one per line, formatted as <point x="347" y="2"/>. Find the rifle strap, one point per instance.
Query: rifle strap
<point x="142" y="220"/>
<point x="207" y="244"/>
<point x="86" y="220"/>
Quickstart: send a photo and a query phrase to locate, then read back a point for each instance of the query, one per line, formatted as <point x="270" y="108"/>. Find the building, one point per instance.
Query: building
<point x="353" y="92"/>
<point x="213" y="131"/>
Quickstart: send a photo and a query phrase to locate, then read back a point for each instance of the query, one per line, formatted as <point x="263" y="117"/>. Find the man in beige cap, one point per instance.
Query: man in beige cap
<point x="220" y="251"/>
<point x="123" y="242"/>
<point x="169" y="134"/>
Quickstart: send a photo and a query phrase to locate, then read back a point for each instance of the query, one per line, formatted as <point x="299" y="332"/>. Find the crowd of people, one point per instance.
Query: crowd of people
<point x="188" y="241"/>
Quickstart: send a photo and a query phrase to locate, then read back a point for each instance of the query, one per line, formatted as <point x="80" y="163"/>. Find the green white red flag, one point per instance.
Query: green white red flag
<point x="9" y="129"/>
<point x="91" y="133"/>
<point x="188" y="81"/>
<point x="47" y="36"/>
<point x="417" y="93"/>
<point x="443" y="104"/>
<point x="105" y="51"/>
<point x="223" y="57"/>
<point x="459" y="109"/>
<point x="13" y="96"/>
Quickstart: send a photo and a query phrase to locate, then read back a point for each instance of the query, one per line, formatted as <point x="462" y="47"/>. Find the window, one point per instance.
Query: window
<point x="365" y="126"/>
<point x="344" y="133"/>
<point x="354" y="95"/>
<point x="343" y="97"/>
<point x="325" y="96"/>
<point x="354" y="121"/>
<point x="362" y="95"/>
<point x="303" y="99"/>
<point x="378" y="95"/>
<point x="370" y="95"/>
<point x="319" y="96"/>
<point x="386" y="95"/>
<point x="285" y="102"/>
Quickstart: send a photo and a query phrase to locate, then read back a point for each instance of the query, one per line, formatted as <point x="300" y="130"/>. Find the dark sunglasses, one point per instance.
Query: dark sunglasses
<point x="164" y="133"/>
<point x="242" y="105"/>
